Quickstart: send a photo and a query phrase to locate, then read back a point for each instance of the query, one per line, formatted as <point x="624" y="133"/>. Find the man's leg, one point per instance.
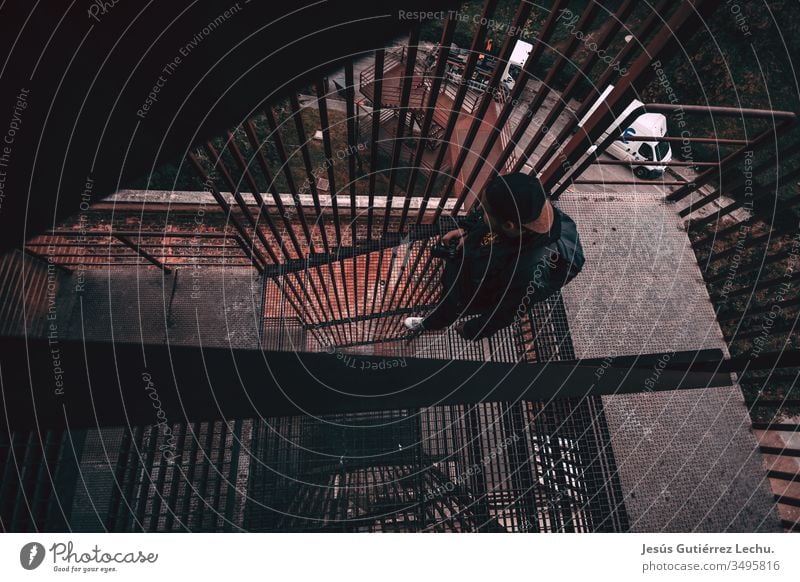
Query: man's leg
<point x="447" y="311"/>
<point x="442" y="315"/>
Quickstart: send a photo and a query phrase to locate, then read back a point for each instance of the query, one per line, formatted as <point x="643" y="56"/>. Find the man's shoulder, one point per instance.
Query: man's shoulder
<point x="569" y="244"/>
<point x="563" y="216"/>
<point x="569" y="230"/>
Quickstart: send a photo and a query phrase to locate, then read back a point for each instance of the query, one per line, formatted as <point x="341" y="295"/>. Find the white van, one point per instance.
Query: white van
<point x="649" y="124"/>
<point x="515" y="63"/>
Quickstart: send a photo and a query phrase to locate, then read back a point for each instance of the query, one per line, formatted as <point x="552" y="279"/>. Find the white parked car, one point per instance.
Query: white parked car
<point x="515" y="63"/>
<point x="647" y="124"/>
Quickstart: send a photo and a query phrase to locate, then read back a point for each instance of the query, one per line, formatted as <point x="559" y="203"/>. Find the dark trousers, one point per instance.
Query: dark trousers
<point x="452" y="304"/>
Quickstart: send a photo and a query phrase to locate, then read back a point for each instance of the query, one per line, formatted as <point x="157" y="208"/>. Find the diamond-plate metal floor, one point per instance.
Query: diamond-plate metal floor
<point x="686" y="459"/>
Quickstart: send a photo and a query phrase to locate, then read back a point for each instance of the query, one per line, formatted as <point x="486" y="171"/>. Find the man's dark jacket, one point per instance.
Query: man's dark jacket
<point x="499" y="277"/>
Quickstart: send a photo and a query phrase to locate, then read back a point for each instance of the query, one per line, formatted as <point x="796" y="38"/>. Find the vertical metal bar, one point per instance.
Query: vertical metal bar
<point x="526" y="449"/>
<point x="322" y="103"/>
<point x="475" y="456"/>
<point x="654" y="19"/>
<point x="683" y="23"/>
<point x="401" y="281"/>
<point x="218" y="476"/>
<point x="254" y="255"/>
<point x="189" y="488"/>
<point x="351" y="170"/>
<point x="605" y="40"/>
<point x="219" y="163"/>
<point x="444" y="51"/>
<point x="352" y="145"/>
<point x="403" y="113"/>
<point x="158" y="496"/>
<point x="586" y="18"/>
<point x="472" y="59"/>
<point x="287" y="172"/>
<point x="264" y="211"/>
<point x="558" y="468"/>
<point x="275" y="134"/>
<point x="487" y="100"/>
<point x="421" y="291"/>
<point x="233" y="472"/>
<point x="433" y="97"/>
<point x="311" y="181"/>
<point x="303" y="311"/>
<point x="322" y="100"/>
<point x="115" y="520"/>
<point x="146" y="478"/>
<point x="67" y="469"/>
<point x="374" y="155"/>
<point x="387" y="324"/>
<point x="297" y="118"/>
<point x="519" y="86"/>
<point x="130" y="481"/>
<point x="258" y="148"/>
<point x="555" y="192"/>
<point x="410" y="287"/>
<point x="175" y="481"/>
<point x="203" y="485"/>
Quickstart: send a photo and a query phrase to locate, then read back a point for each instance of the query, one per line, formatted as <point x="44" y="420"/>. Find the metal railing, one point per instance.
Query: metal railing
<point x="74" y="248"/>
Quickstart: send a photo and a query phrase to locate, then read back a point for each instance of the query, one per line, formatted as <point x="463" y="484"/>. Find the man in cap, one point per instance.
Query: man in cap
<point x="514" y="249"/>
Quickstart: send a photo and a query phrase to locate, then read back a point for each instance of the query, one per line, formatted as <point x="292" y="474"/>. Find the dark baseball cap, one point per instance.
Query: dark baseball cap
<point x="521" y="199"/>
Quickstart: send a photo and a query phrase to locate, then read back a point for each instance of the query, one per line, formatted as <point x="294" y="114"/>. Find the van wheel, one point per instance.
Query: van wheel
<point x="641" y="172"/>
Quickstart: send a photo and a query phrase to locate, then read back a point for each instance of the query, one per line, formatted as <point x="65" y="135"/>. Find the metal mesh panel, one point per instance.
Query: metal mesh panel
<point x="489" y="467"/>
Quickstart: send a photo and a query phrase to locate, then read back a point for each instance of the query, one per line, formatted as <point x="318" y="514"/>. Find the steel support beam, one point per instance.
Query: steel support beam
<point x="105" y="384"/>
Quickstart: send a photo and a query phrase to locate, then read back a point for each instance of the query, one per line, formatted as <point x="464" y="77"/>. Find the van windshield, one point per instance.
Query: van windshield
<point x="646" y="151"/>
<point x="514" y="71"/>
<point x="662" y="149"/>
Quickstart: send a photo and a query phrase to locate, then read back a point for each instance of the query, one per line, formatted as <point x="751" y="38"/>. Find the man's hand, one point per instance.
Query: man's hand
<point x="455" y="235"/>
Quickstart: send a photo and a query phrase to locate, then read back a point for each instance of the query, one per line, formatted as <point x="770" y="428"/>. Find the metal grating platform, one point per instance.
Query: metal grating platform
<point x="666" y="448"/>
<point x="686" y="459"/>
<point x="492" y="467"/>
<point x="361" y="472"/>
<point x="371" y="472"/>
